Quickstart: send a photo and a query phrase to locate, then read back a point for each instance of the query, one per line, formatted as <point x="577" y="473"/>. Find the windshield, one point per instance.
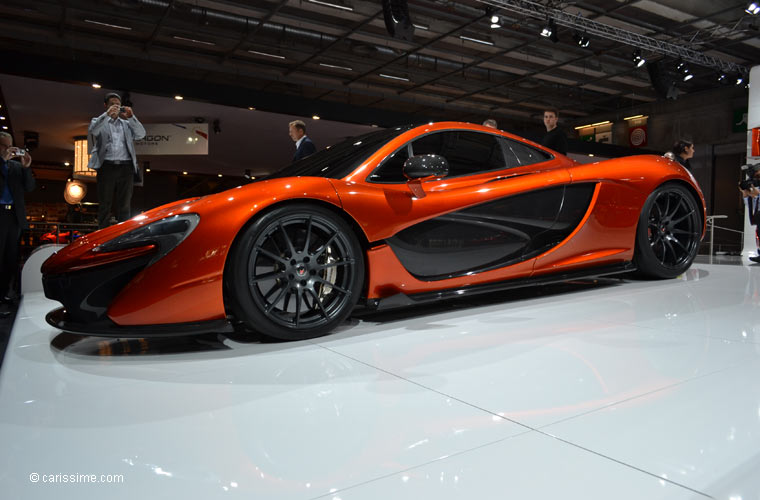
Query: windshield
<point x="341" y="159"/>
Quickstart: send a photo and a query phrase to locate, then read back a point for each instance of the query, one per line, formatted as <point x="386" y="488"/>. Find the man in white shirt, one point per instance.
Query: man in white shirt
<point x="110" y="141"/>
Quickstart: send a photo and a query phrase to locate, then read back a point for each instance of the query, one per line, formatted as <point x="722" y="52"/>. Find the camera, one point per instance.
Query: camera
<point x="19" y="152"/>
<point x="748" y="176"/>
<point x="122" y="109"/>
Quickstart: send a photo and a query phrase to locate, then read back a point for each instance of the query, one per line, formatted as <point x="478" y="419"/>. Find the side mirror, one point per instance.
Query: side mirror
<point x="426" y="166"/>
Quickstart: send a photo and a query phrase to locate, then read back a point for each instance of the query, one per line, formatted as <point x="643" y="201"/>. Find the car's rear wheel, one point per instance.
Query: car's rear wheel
<point x="295" y="273"/>
<point x="669" y="231"/>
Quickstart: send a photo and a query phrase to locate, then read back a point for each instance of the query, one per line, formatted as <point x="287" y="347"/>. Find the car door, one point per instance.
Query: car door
<point x="493" y="209"/>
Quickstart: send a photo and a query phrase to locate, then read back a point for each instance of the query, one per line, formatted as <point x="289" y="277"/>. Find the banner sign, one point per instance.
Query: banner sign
<point x="605" y="137"/>
<point x="174" y="139"/>
<point x="637" y="136"/>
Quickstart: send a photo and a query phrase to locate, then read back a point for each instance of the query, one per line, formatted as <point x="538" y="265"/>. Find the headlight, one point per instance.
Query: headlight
<point x="166" y="234"/>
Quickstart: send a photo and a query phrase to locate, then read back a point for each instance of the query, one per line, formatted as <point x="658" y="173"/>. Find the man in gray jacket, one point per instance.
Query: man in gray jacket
<point x="110" y="142"/>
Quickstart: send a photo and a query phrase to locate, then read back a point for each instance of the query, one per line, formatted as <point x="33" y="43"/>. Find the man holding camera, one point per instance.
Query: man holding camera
<point x="751" y="194"/>
<point x="15" y="178"/>
<point x="110" y="142"/>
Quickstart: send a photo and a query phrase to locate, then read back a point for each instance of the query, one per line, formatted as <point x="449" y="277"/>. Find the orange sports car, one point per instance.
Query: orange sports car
<point x="398" y="216"/>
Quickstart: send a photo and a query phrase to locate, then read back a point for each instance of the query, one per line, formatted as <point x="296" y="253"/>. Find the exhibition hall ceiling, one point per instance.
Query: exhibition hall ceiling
<point x="336" y="57"/>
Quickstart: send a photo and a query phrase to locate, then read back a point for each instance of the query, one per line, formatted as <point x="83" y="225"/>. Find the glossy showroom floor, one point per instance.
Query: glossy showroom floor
<point x="608" y="390"/>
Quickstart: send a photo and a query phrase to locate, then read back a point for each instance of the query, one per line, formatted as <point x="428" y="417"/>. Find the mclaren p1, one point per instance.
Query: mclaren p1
<point x="397" y="216"/>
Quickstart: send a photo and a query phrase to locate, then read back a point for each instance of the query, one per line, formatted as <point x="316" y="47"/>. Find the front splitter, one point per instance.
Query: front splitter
<point x="107" y="328"/>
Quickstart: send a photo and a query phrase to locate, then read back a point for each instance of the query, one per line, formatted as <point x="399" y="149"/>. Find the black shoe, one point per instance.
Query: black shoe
<point x="756" y="258"/>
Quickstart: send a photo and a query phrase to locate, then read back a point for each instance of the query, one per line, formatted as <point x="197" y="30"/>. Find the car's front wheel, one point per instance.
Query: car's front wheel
<point x="668" y="233"/>
<point x="295" y="273"/>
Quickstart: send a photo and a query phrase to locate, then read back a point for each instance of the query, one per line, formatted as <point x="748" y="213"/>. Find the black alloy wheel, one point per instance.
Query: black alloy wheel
<point x="669" y="232"/>
<point x="296" y="273"/>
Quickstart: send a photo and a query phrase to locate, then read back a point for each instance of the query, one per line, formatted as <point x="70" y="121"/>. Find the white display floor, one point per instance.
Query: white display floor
<point x="615" y="390"/>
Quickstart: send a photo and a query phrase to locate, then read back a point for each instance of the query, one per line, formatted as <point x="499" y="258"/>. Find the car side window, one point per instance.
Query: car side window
<point x="519" y="154"/>
<point x="467" y="153"/>
<point x="472" y="152"/>
<point x="392" y="168"/>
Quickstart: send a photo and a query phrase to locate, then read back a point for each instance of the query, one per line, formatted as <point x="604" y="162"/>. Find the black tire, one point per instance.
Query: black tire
<point x="295" y="273"/>
<point x="668" y="233"/>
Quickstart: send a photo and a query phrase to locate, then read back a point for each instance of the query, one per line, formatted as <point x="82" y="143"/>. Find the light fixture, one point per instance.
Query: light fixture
<point x="495" y="22"/>
<point x="476" y="40"/>
<point x="722" y="78"/>
<point x="333" y="5"/>
<point x="192" y="40"/>
<point x="581" y="40"/>
<point x="315" y="117"/>
<point x="637" y="58"/>
<point x="184" y="172"/>
<point x="178" y="97"/>
<point x="550" y="31"/>
<point x="251" y="108"/>
<point x="108" y="25"/>
<point x="753" y="8"/>
<point x="218" y="175"/>
<point x="683" y="68"/>
<point x="74" y="192"/>
<point x="66" y="164"/>
<point x="635" y="117"/>
<point x="266" y="54"/>
<point x="394" y="77"/>
<point x="606" y="122"/>
<point x="81" y="159"/>
<point x="96" y="85"/>
<point x="335" y="66"/>
<point x="247" y="173"/>
<point x="147" y="170"/>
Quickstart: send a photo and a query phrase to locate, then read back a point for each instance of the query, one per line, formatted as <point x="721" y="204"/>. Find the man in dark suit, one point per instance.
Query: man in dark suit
<point x="304" y="146"/>
<point x="15" y="178"/>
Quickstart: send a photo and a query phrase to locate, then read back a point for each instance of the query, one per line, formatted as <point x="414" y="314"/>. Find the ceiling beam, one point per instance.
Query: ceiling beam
<point x="539" y="11"/>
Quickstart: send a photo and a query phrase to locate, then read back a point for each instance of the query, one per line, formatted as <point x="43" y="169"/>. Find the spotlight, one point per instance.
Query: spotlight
<point x="495" y="21"/>
<point x="722" y="78"/>
<point x="549" y="29"/>
<point x="581" y="40"/>
<point x="74" y="192"/>
<point x="753" y="8"/>
<point x="683" y="68"/>
<point x="638" y="60"/>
